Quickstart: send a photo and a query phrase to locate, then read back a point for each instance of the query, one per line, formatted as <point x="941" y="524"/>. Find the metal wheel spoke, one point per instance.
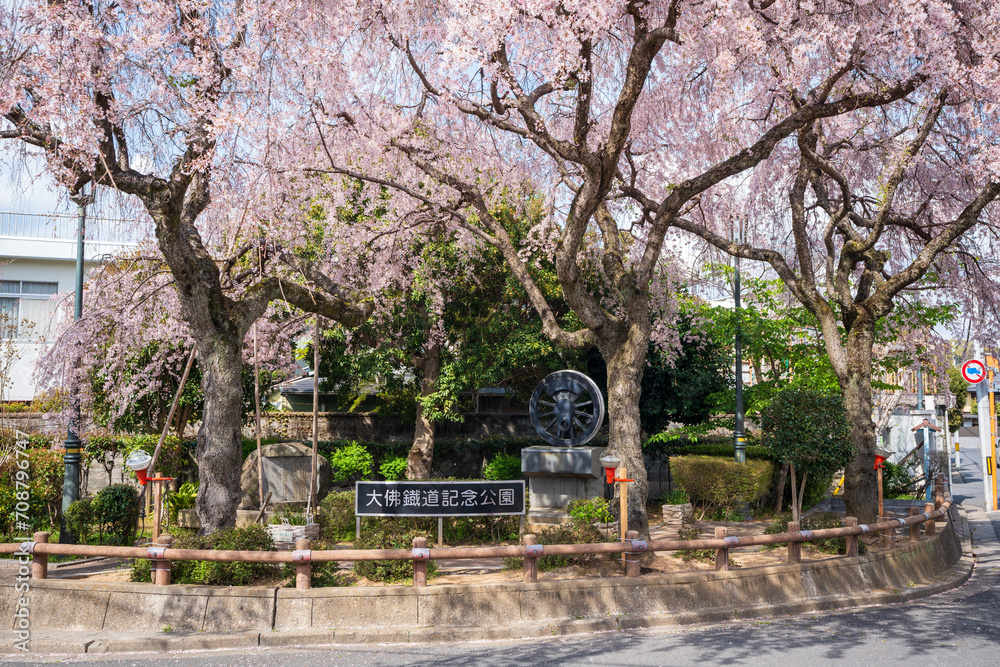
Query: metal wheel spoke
<point x="567" y="409"/>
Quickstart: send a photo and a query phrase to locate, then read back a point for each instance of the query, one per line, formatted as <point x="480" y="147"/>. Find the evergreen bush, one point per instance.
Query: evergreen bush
<point x="717" y="482"/>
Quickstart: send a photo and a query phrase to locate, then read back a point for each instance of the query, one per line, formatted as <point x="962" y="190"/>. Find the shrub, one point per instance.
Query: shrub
<point x="247" y="538"/>
<point x="503" y="467"/>
<point x="80" y="519"/>
<point x="809" y="430"/>
<point x="676" y="497"/>
<point x="116" y="508"/>
<point x="336" y="516"/>
<point x="389" y="570"/>
<point x="351" y="461"/>
<point x="722" y="483"/>
<point x="593" y="510"/>
<point x="897" y="481"/>
<point x="697" y="555"/>
<point x="182" y="499"/>
<point x="393" y="469"/>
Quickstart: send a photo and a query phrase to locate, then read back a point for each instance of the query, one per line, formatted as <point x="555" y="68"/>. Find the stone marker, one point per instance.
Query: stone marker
<point x="286" y="475"/>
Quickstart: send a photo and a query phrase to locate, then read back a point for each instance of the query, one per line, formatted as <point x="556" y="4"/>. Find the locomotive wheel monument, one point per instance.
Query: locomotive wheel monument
<point x="567" y="411"/>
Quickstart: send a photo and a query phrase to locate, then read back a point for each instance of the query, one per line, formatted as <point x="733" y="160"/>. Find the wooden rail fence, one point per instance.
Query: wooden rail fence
<point x="161" y="554"/>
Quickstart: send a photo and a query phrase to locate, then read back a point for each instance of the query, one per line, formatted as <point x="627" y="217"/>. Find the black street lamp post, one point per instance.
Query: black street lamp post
<point x="74" y="447"/>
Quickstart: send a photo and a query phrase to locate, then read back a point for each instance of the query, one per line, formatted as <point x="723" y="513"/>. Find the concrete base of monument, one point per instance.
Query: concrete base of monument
<point x="556" y="477"/>
<point x="87" y="617"/>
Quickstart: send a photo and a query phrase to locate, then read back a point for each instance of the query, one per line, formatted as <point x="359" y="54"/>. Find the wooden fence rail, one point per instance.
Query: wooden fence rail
<point x="162" y="553"/>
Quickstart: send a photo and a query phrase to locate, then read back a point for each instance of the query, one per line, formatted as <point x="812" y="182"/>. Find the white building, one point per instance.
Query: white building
<point x="37" y="265"/>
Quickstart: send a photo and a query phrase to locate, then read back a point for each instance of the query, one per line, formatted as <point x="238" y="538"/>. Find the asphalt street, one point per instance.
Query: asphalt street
<point x="959" y="627"/>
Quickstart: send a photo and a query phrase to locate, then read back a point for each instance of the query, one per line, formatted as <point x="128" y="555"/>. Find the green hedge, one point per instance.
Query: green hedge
<point x="720" y="482"/>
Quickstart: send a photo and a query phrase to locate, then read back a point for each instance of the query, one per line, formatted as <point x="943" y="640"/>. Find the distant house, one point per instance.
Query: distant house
<point x="37" y="263"/>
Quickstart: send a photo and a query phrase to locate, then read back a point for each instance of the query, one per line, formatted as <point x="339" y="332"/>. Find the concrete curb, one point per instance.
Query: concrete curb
<point x="911" y="555"/>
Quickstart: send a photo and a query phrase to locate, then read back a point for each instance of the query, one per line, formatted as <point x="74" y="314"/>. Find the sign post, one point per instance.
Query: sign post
<point x="970" y="371"/>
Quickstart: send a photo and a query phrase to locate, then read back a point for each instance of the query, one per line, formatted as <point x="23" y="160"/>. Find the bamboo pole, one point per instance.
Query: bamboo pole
<point x="173" y="409"/>
<point x="315" y="422"/>
<point x="256" y="402"/>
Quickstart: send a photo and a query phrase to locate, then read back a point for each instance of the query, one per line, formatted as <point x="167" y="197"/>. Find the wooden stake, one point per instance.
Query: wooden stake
<point x="623" y="501"/>
<point x="157" y="504"/>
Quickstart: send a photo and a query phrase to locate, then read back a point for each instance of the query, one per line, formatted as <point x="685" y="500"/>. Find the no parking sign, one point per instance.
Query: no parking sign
<point x="973" y="371"/>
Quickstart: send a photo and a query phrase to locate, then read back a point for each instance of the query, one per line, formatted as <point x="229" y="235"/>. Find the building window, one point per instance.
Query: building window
<point x="25" y="308"/>
<point x="8" y="317"/>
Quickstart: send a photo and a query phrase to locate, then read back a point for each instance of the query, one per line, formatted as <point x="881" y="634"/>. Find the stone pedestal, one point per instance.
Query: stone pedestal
<point x="556" y="477"/>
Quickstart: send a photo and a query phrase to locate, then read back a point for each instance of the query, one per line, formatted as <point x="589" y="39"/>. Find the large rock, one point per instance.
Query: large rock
<point x="286" y="475"/>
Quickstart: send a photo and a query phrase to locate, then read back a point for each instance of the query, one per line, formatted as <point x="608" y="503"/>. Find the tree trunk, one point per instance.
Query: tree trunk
<point x="626" y="363"/>
<point x="795" y="498"/>
<point x="418" y="462"/>
<point x="219" y="451"/>
<point x="782" y="478"/>
<point x="860" y="488"/>
<point x="802" y="493"/>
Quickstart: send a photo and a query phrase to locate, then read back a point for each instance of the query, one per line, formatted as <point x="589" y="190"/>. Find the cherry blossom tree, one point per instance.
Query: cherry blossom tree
<point x="865" y="210"/>
<point x="628" y="114"/>
<point x="168" y="103"/>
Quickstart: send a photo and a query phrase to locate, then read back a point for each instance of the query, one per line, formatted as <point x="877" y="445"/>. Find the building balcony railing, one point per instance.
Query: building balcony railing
<point x="62" y="227"/>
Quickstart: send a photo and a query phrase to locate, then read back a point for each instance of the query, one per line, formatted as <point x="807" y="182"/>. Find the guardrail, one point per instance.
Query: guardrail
<point x="161" y="554"/>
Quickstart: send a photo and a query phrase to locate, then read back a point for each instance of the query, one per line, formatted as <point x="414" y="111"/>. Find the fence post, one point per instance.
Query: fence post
<point x="530" y="575"/>
<point x="40" y="562"/>
<point x="161" y="575"/>
<point x="889" y="534"/>
<point x="721" y="555"/>
<point x="929" y="526"/>
<point x="852" y="540"/>
<point x="914" y="527"/>
<point x="794" y="548"/>
<point x="419" y="563"/>
<point x="303" y="567"/>
<point x="632" y="557"/>
<point x="938" y="493"/>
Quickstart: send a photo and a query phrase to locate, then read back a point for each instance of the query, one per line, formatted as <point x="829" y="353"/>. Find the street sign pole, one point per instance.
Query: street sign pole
<point x="983" y="403"/>
<point x="985" y="442"/>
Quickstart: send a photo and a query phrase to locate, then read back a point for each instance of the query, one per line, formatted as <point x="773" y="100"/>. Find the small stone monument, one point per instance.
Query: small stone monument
<point x="286" y="475"/>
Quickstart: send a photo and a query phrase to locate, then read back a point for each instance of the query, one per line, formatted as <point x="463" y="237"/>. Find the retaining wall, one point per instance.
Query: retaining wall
<point x="832" y="583"/>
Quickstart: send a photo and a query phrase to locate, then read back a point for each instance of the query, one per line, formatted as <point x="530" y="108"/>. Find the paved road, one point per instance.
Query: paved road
<point x="959" y="627"/>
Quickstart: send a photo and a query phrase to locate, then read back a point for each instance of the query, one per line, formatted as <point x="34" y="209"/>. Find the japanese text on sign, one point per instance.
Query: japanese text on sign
<point x="480" y="498"/>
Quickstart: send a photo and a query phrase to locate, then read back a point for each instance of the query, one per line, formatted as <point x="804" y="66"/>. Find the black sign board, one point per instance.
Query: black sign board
<point x="439" y="498"/>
